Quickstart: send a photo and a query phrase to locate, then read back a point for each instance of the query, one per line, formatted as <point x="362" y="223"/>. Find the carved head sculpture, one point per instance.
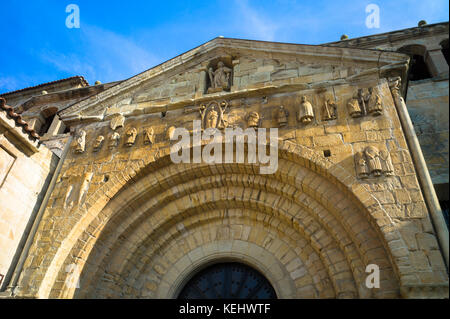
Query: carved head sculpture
<point x="220" y="64"/>
<point x="253" y="119"/>
<point x="149" y="136"/>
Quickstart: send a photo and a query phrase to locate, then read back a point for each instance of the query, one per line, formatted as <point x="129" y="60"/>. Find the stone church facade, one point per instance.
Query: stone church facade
<point x="93" y="206"/>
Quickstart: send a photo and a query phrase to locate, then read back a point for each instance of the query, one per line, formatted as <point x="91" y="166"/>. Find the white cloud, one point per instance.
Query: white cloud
<point x="253" y="24"/>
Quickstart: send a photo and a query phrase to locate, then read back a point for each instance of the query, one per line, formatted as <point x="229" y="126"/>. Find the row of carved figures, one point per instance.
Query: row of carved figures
<point x="373" y="162"/>
<point x="114" y="139"/>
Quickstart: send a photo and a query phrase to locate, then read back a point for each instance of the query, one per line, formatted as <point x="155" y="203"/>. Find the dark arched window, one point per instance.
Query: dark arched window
<point x="444" y="45"/>
<point x="418" y="69"/>
<point x="228" y="281"/>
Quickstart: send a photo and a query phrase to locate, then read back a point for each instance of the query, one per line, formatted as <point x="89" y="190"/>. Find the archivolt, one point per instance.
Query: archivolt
<point x="309" y="207"/>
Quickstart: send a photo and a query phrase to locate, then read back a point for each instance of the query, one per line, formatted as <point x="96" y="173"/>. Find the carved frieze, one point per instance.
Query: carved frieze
<point x="372" y="162"/>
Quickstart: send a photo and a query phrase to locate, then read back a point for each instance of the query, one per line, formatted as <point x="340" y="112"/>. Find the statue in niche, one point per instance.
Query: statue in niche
<point x="130" y="136"/>
<point x="98" y="142"/>
<point x="212" y="115"/>
<point x="353" y="108"/>
<point x="361" y="165"/>
<point x="220" y="78"/>
<point x="306" y="112"/>
<point x="374" y="106"/>
<point x="81" y="142"/>
<point x="386" y="163"/>
<point x="253" y="119"/>
<point x="373" y="160"/>
<point x="149" y="137"/>
<point x="114" y="140"/>
<point x="329" y="110"/>
<point x="117" y="121"/>
<point x="282" y="115"/>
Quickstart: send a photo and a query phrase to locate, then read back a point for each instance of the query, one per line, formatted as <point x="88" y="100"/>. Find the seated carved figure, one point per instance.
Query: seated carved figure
<point x="220" y="78"/>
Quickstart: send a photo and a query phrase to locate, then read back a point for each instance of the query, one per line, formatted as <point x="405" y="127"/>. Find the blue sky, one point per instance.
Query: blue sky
<point x="118" y="39"/>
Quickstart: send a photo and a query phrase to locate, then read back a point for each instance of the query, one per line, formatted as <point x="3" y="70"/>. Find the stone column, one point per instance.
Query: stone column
<point x="422" y="170"/>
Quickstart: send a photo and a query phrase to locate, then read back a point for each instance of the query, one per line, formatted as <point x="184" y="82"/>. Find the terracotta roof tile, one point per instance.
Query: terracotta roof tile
<point x="80" y="78"/>
<point x="18" y="119"/>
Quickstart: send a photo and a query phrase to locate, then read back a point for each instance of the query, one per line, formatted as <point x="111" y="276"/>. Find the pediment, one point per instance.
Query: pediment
<point x="253" y="67"/>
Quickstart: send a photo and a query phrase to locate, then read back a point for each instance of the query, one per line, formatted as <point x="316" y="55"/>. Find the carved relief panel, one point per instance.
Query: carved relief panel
<point x="365" y="102"/>
<point x="372" y="162"/>
<point x="212" y="115"/>
<point x="219" y="77"/>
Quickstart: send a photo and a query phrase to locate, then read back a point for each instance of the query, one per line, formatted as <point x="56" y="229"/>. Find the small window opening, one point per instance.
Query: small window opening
<point x="327" y="153"/>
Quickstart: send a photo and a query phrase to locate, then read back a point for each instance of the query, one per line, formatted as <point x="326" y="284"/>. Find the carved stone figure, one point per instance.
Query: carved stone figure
<point x="117" y="121"/>
<point x="282" y="115"/>
<point x="361" y="165"/>
<point x="220" y="78"/>
<point x="306" y="112"/>
<point x="149" y="137"/>
<point x="363" y="100"/>
<point x="212" y="115"/>
<point x="81" y="142"/>
<point x="77" y="190"/>
<point x="373" y="160"/>
<point x="114" y="140"/>
<point x="386" y="163"/>
<point x="354" y="109"/>
<point x="374" y="106"/>
<point x="130" y="136"/>
<point x="329" y="110"/>
<point x="253" y="119"/>
<point x="98" y="142"/>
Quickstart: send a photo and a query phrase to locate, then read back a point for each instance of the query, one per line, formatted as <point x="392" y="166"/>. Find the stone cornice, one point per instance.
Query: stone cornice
<point x="382" y="38"/>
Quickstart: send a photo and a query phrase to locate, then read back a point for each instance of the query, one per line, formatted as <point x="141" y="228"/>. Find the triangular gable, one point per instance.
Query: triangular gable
<point x="255" y="64"/>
